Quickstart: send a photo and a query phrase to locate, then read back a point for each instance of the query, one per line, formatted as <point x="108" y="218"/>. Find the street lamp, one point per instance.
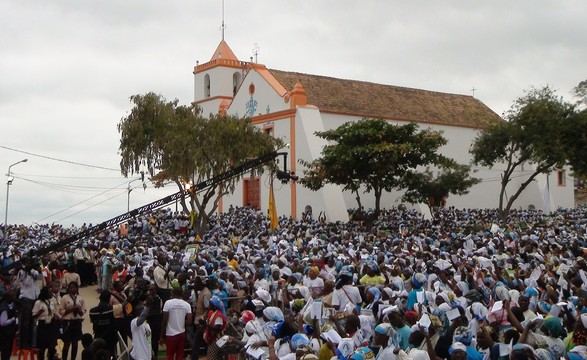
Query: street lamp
<point x="8" y="183"/>
<point x="129" y="189"/>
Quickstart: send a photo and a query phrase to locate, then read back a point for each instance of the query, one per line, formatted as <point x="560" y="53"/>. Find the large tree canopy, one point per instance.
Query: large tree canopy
<point x="374" y="154"/>
<point x="175" y="143"/>
<point x="541" y="130"/>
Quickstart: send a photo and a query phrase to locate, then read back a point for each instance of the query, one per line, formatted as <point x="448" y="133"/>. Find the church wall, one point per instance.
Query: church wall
<point x="220" y="88"/>
<point x="484" y="194"/>
<point x="264" y="98"/>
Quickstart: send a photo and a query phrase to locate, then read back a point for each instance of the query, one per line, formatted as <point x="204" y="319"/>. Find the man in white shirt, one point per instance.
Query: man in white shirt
<point x="141" y="335"/>
<point x="81" y="257"/>
<point x="177" y="314"/>
<point x="29" y="291"/>
<point x="161" y="277"/>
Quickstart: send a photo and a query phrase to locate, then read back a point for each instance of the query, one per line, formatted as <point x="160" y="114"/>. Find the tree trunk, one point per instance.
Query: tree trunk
<point x="184" y="205"/>
<point x="378" y="193"/>
<point x="505" y="179"/>
<point x="540" y="170"/>
<point x="504" y="184"/>
<point x="358" y="198"/>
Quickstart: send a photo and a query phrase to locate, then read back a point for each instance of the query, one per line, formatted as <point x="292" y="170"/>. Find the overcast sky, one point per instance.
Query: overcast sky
<point x="67" y="69"/>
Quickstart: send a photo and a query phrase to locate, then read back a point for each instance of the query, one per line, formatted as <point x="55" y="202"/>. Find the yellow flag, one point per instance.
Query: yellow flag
<point x="273" y="223"/>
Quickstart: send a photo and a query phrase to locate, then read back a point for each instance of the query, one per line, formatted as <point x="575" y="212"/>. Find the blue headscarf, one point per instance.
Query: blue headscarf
<point x="218" y="304"/>
<point x="376" y="293"/>
<point x="299" y="340"/>
<point x="418" y="279"/>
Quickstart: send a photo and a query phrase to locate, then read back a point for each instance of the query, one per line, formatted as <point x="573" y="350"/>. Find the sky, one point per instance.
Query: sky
<point x="68" y="68"/>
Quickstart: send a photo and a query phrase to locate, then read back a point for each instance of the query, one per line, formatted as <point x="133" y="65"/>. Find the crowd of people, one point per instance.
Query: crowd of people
<point x="464" y="285"/>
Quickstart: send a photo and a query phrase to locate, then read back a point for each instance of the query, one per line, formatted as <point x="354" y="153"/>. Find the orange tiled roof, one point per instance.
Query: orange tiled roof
<point x="372" y="100"/>
<point x="223" y="51"/>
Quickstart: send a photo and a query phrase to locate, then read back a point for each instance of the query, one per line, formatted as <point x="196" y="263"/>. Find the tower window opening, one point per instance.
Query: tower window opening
<point x="207" y="85"/>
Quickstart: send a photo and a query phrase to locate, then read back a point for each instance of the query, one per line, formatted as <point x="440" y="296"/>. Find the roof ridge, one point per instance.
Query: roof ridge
<point x="374" y="83"/>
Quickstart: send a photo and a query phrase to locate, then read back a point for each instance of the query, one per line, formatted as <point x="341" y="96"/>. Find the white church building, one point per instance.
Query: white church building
<point x="293" y="106"/>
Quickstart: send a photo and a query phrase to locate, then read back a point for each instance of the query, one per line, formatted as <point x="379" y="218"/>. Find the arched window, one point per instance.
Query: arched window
<point x="236" y="82"/>
<point x="207" y="85"/>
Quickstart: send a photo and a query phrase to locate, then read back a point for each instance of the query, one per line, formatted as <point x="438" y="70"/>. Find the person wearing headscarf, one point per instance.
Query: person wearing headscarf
<point x="255" y="337"/>
<point x="522" y="352"/>
<point x="532" y="294"/>
<point x="458" y="351"/>
<point x="260" y="280"/>
<point x="524" y="305"/>
<point x="272" y="315"/>
<point x="313" y="281"/>
<point x="264" y="296"/>
<point x="373" y="299"/>
<point x="345" y="292"/>
<point x="551" y="340"/>
<point x="382" y="335"/>
<point x="499" y="318"/>
<point x="372" y="276"/>
<point x="284" y="333"/>
<point x="411" y="317"/>
<point x="216" y="322"/>
<point x="477" y="315"/>
<point x="296" y="343"/>
<point x="417" y="294"/>
<point x="460" y="290"/>
<point x="220" y="292"/>
<point x="464" y="335"/>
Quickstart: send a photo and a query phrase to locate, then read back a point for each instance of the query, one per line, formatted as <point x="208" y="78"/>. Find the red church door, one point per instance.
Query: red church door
<point x="252" y="193"/>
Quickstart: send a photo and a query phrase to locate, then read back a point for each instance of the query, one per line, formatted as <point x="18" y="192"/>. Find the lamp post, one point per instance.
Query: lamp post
<point x="129" y="189"/>
<point x="8" y="183"/>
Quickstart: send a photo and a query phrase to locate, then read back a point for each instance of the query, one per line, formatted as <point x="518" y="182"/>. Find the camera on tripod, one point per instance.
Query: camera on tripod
<point x="285" y="176"/>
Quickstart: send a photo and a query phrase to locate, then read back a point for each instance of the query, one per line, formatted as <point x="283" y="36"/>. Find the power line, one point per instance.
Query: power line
<point x="88" y="208"/>
<point x="62" y="186"/>
<point x="60" y="160"/>
<point x="81" y="202"/>
<point x="71" y="177"/>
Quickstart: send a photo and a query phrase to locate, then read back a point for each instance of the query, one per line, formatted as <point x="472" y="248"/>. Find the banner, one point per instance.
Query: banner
<point x="273" y="221"/>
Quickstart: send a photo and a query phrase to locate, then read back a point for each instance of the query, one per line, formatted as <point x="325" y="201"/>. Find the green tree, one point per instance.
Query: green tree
<point x="580" y="92"/>
<point x="374" y="154"/>
<point x="538" y="133"/>
<point x="434" y="187"/>
<point x="176" y="143"/>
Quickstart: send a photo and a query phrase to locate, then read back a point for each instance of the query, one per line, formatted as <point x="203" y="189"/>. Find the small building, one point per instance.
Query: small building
<point x="293" y="106"/>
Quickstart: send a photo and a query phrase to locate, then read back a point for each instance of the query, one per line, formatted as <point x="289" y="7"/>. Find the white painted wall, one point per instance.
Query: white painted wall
<point x="330" y="198"/>
<point x="265" y="96"/>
